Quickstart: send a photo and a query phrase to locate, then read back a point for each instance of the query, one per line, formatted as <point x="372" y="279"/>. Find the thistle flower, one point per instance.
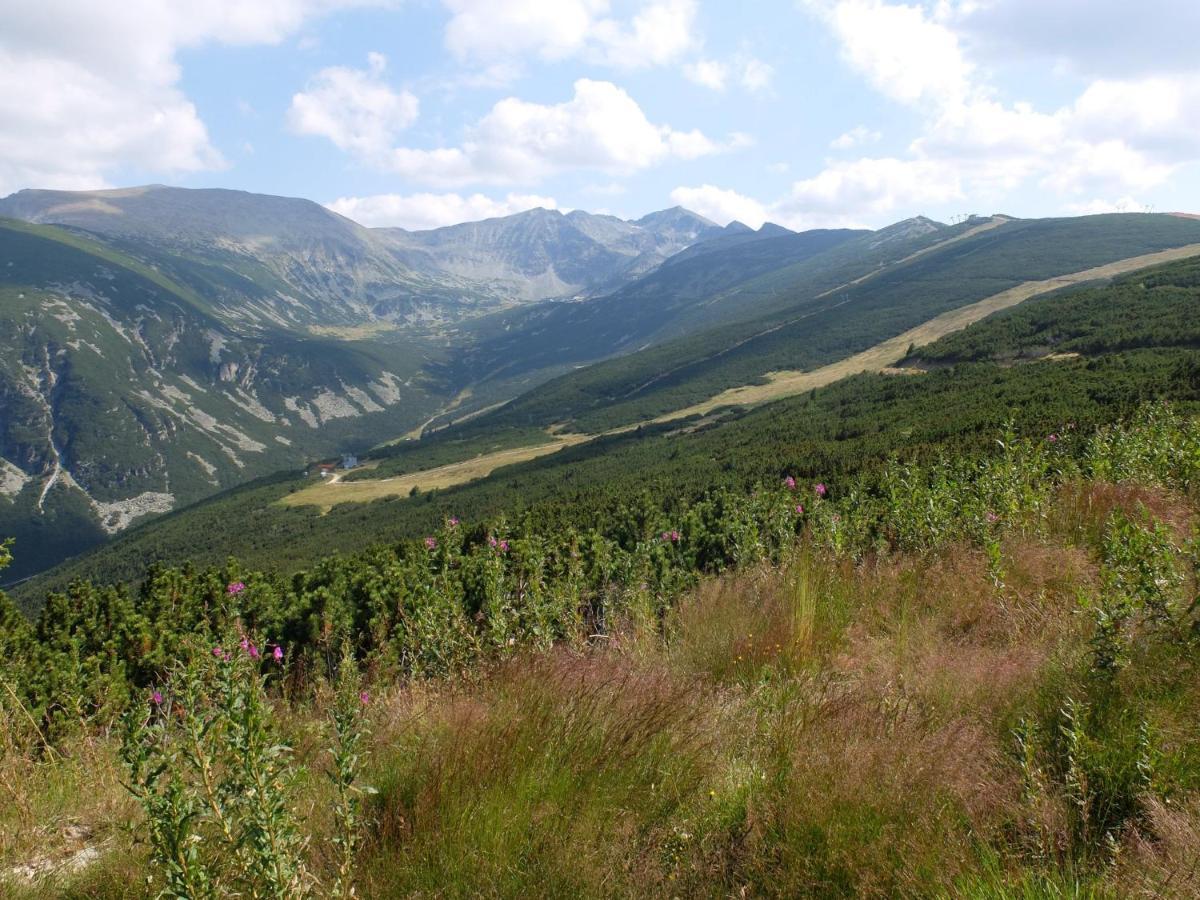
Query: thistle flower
<point x="1052" y="438"/>
<point x="820" y="489"/>
<point x="253" y="651"/>
<point x="235" y="588"/>
<point x="789" y="483"/>
<point x="277" y="654"/>
<point x="504" y="546"/>
<point x="218" y="653"/>
<point x="430" y="543"/>
<point x="454" y="521"/>
<point x="364" y="698"/>
<point x="157" y="698"/>
<point x="799" y="509"/>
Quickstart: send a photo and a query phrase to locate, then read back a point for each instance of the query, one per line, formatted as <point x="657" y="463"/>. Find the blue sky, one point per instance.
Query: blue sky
<point x="806" y="112"/>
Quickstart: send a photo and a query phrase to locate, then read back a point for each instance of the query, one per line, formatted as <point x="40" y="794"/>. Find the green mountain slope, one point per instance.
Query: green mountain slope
<point x="811" y="323"/>
<point x="835" y="431"/>
<point x="124" y="392"/>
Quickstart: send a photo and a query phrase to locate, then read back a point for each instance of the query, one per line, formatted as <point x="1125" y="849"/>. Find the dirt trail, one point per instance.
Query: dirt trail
<point x="882" y="357"/>
<point x="329" y="493"/>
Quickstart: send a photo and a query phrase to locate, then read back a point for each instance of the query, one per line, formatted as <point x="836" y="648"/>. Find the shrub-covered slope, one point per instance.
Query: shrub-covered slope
<point x="834" y="432"/>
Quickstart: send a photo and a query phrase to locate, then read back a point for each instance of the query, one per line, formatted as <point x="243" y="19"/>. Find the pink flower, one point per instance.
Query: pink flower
<point x="454" y="521"/>
<point x="1053" y="438"/>
<point x="430" y="543"/>
<point x="820" y="489"/>
<point x="235" y="588"/>
<point x="277" y="653"/>
<point x="157" y="698"/>
<point x="504" y="546"/>
<point x="671" y="537"/>
<point x="789" y="483"/>
<point x="253" y="651"/>
<point x="364" y="698"/>
<point x="992" y="517"/>
<point x="491" y="541"/>
<point x="219" y="653"/>
<point x="799" y="509"/>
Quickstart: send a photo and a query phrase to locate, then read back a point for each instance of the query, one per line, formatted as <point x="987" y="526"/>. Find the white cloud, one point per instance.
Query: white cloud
<point x="658" y="34"/>
<point x="88" y="89"/>
<point x="1098" y="206"/>
<point x="904" y="54"/>
<point x="752" y="74"/>
<point x="354" y="108"/>
<point x="1118" y="136"/>
<point x="600" y="128"/>
<point x="421" y="211"/>
<point x="872" y="187"/>
<point x="721" y="205"/>
<point x="755" y="74"/>
<point x="856" y="137"/>
<point x="707" y="73"/>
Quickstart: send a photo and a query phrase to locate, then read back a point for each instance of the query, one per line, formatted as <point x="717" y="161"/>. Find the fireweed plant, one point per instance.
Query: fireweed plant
<point x="183" y="664"/>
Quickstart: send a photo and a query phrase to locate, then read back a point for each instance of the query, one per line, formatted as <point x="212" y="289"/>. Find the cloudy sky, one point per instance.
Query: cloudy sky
<point x="805" y="112"/>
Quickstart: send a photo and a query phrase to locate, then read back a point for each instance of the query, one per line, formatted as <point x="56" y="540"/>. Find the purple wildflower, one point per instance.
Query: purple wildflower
<point x="789" y="483"/>
<point x="277" y="653"/>
<point x="799" y="509"/>
<point x="430" y="543"/>
<point x="235" y="588"/>
<point x="992" y="518"/>
<point x="454" y="521"/>
<point x="1052" y="439"/>
<point x="253" y="651"/>
<point x="491" y="541"/>
<point x="364" y="698"/>
<point x="503" y="546"/>
<point x="820" y="489"/>
<point x="157" y="698"/>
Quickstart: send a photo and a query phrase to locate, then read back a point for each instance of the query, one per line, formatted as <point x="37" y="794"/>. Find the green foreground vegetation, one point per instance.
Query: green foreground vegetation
<point x="974" y="677"/>
<point x="925" y="636"/>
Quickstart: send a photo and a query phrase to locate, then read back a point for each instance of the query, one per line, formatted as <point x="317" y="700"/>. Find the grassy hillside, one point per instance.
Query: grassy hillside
<point x="808" y="329"/>
<point x="832" y="434"/>
<point x="971" y="678"/>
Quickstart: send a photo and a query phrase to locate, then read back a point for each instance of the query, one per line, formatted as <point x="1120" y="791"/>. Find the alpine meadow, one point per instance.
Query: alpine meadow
<point x="636" y="472"/>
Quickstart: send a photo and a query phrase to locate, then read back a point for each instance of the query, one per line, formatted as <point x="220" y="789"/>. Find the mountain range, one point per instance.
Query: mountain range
<point x="159" y="345"/>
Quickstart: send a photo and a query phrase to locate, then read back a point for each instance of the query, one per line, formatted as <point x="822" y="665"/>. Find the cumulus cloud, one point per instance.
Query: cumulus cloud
<point x="721" y="205"/>
<point x="752" y="74"/>
<point x="485" y="30"/>
<point x="708" y="73"/>
<point x="87" y="89"/>
<point x="843" y="195"/>
<point x="354" y="108"/>
<point x="856" y="137"/>
<point x="1120" y="135"/>
<point x="600" y="128"/>
<point x="421" y="211"/>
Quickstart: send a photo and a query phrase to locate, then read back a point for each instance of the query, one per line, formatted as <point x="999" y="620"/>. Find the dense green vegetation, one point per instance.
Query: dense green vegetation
<point x="806" y="330"/>
<point x="1156" y="307"/>
<point x="831" y="433"/>
<point x="974" y="676"/>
